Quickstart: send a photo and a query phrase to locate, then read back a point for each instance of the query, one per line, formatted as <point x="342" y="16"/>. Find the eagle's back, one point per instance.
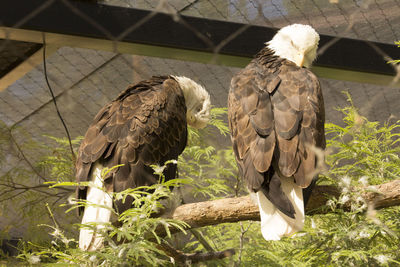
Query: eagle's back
<point x="276" y="115"/>
<point x="144" y="125"/>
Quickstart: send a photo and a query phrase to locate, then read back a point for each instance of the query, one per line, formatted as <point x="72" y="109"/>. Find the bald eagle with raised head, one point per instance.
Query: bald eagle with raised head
<point x="276" y="117"/>
<point x="145" y="125"/>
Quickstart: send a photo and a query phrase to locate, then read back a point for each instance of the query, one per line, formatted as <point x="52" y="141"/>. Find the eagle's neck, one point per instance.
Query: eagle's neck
<point x="267" y="57"/>
<point x="142" y="86"/>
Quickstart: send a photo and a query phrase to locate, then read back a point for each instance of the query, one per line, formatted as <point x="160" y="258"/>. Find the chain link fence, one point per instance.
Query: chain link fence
<point x="83" y="79"/>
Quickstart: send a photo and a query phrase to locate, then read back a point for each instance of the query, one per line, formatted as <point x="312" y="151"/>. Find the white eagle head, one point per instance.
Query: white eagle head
<point x="297" y="43"/>
<point x="197" y="100"/>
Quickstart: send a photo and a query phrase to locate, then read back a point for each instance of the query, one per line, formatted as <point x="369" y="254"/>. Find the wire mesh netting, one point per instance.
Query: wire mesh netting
<point x="83" y="79"/>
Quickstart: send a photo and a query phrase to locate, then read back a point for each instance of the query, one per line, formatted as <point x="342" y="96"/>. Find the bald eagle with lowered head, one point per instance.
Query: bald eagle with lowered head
<point x="276" y="117"/>
<point x="145" y="125"/>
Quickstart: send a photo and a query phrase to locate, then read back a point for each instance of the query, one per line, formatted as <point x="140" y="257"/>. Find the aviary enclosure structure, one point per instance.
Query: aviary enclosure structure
<point x="80" y="55"/>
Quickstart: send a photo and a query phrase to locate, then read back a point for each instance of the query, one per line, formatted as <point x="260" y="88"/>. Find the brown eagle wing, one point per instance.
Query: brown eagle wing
<point x="276" y="115"/>
<point x="299" y="123"/>
<point x="145" y="125"/>
<point x="251" y="122"/>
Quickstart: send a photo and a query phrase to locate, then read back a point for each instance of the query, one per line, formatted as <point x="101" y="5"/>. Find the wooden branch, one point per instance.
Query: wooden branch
<point x="385" y="195"/>
<point x="217" y="211"/>
<point x="243" y="208"/>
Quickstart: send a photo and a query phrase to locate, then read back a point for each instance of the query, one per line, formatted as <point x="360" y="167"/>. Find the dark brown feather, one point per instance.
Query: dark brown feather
<point x="145" y="124"/>
<point x="286" y="123"/>
<point x="276" y="115"/>
<point x="288" y="159"/>
<point x="254" y="178"/>
<point x="261" y="152"/>
<point x="262" y="119"/>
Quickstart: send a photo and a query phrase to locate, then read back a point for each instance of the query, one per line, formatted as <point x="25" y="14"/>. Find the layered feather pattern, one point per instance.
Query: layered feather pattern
<point x="146" y="124"/>
<point x="276" y="116"/>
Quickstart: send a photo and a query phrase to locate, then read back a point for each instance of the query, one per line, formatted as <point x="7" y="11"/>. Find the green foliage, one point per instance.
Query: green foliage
<point x="363" y="148"/>
<point x="131" y="243"/>
<point x="59" y="164"/>
<point x="212" y="171"/>
<point x="23" y="176"/>
<point x="139" y="228"/>
<point x="362" y="153"/>
<point x="215" y="127"/>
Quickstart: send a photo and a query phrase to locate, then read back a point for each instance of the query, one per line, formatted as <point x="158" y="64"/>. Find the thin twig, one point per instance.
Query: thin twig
<point x="199" y="236"/>
<point x="52" y="216"/>
<point x="241" y="242"/>
<point x="55" y="102"/>
<point x="24" y="157"/>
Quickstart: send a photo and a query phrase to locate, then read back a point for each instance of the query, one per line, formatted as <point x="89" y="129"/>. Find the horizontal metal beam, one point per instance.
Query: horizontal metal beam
<point x="58" y="40"/>
<point x="14" y="53"/>
<point x="162" y="36"/>
<point x="24" y="67"/>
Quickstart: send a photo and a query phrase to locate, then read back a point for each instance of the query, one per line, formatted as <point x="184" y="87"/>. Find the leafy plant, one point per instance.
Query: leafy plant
<point x="22" y="181"/>
<point x="138" y="227"/>
<point x="213" y="172"/>
<point x="363" y="149"/>
<point x="362" y="153"/>
<point x="133" y="241"/>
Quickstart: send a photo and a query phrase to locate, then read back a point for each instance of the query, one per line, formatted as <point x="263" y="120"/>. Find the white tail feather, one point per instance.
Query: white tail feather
<point x="88" y="239"/>
<point x="275" y="224"/>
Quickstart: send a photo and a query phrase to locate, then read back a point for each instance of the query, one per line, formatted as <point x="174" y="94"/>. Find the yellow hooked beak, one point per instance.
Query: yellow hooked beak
<point x="300" y="60"/>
